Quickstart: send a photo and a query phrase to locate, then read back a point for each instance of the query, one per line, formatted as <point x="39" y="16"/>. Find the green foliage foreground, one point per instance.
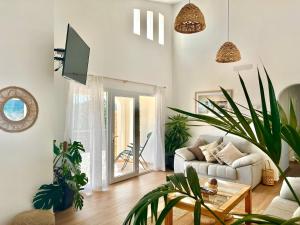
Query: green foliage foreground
<point x="270" y="128"/>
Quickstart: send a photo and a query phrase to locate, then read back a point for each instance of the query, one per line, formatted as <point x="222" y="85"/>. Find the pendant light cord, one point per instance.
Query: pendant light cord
<point x="228" y="19"/>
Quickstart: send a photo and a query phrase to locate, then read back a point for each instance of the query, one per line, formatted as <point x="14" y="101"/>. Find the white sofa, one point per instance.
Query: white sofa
<point x="284" y="205"/>
<point x="246" y="170"/>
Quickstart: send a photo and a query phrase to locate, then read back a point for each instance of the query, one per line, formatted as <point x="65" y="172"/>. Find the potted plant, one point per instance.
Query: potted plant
<point x="176" y="136"/>
<point x="68" y="182"/>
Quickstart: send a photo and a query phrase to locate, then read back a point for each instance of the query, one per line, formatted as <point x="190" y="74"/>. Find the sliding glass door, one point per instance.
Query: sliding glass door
<point x="131" y="121"/>
<point x="123" y="135"/>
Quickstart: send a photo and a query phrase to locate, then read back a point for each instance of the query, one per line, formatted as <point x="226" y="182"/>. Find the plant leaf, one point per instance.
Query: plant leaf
<point x="167" y="208"/>
<point x="283" y="116"/>
<point x="193" y="181"/>
<point x="293" y="117"/>
<point x="48" y="196"/>
<point x="197" y="213"/>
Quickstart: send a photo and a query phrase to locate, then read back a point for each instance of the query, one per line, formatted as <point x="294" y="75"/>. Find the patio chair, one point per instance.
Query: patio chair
<point x="127" y="154"/>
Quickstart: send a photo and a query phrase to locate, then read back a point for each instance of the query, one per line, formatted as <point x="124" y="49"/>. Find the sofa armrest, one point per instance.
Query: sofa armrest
<point x="285" y="191"/>
<point x="185" y="154"/>
<point x="247" y="160"/>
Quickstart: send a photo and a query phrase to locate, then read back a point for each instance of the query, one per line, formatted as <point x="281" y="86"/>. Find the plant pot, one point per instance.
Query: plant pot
<point x="67" y="200"/>
<point x="169" y="160"/>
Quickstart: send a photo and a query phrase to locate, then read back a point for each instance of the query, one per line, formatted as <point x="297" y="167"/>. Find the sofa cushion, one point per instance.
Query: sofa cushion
<point x="185" y="154"/>
<point x="247" y="160"/>
<point x="243" y="145"/>
<point x="207" y="148"/>
<point x="197" y="153"/>
<point x="215" y="151"/>
<point x="229" y="154"/>
<point x="201" y="167"/>
<point x="296" y="213"/>
<point x="224" y="171"/>
<point x="195" y="148"/>
<point x="282" y="208"/>
<point x="286" y="193"/>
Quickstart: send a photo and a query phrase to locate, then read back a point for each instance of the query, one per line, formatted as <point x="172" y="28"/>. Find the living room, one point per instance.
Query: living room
<point x="147" y="109"/>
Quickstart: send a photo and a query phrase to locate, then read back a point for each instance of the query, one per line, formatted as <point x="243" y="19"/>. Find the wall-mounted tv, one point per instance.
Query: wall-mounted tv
<point x="76" y="57"/>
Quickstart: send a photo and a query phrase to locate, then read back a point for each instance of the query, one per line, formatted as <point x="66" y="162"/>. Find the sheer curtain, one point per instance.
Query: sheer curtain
<point x="85" y="123"/>
<point x="159" y="134"/>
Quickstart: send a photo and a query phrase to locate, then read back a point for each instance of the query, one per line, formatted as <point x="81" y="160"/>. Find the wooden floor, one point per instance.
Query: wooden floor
<point x="111" y="207"/>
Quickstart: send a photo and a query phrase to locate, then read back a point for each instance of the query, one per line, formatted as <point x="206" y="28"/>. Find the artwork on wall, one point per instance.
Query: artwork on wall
<point x="216" y="96"/>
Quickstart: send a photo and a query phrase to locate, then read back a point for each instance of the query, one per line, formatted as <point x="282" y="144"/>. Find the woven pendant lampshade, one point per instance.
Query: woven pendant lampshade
<point x="190" y="20"/>
<point x="228" y="53"/>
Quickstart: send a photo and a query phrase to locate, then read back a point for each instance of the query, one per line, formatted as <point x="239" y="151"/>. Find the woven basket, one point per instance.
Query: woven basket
<point x="228" y="53"/>
<point x="268" y="175"/>
<point x="34" y="217"/>
<point x="190" y="20"/>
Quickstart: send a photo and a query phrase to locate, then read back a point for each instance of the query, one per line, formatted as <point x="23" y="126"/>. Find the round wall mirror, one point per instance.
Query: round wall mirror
<point x="18" y="109"/>
<point x="15" y="109"/>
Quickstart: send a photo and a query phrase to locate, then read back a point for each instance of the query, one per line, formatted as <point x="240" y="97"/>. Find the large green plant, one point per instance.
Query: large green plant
<point x="67" y="176"/>
<point x="269" y="129"/>
<point x="187" y="187"/>
<point x="177" y="133"/>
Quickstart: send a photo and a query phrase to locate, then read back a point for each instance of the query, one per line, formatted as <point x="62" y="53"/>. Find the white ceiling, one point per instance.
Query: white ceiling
<point x="167" y="1"/>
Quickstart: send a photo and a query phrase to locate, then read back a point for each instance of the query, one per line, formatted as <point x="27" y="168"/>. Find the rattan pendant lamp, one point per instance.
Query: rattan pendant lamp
<point x="190" y="20"/>
<point x="228" y="52"/>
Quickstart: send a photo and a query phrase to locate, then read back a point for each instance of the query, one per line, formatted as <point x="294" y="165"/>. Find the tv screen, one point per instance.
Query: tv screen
<point x="76" y="58"/>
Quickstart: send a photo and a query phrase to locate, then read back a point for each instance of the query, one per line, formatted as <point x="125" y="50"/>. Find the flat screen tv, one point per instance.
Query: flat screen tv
<point x="76" y="57"/>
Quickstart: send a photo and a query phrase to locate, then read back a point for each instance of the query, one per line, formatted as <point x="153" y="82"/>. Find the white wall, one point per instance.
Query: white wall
<point x="106" y="26"/>
<point x="260" y="28"/>
<point x="26" y="61"/>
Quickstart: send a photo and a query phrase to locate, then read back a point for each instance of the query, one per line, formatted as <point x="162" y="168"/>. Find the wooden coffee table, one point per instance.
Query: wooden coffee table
<point x="229" y="196"/>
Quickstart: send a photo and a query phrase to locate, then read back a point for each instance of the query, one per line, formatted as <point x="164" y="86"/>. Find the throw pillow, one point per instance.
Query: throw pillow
<point x="215" y="151"/>
<point x="197" y="153"/>
<point x="229" y="154"/>
<point x="285" y="191"/>
<point x="195" y="149"/>
<point x="206" y="150"/>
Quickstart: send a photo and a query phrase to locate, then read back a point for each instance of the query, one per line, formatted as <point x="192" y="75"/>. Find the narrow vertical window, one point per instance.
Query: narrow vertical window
<point x="137" y="21"/>
<point x="150" y="25"/>
<point x="161" y="29"/>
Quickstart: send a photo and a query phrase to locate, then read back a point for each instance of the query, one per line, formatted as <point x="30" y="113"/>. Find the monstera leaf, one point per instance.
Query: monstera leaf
<point x="48" y="196"/>
<point x="75" y="150"/>
<point x="78" y="201"/>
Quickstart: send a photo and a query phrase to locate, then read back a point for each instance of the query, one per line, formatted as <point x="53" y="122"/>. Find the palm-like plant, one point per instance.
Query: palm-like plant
<point x="270" y="127"/>
<point x="186" y="187"/>
<point x="177" y="133"/>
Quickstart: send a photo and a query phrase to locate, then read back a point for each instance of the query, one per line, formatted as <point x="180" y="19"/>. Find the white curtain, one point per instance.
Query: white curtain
<point x="159" y="134"/>
<point x="85" y="123"/>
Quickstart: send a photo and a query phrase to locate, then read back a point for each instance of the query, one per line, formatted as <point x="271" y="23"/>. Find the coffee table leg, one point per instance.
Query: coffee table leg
<point x="248" y="204"/>
<point x="169" y="218"/>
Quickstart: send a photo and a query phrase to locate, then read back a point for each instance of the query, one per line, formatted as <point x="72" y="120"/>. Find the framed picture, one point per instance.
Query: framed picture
<point x="216" y="96"/>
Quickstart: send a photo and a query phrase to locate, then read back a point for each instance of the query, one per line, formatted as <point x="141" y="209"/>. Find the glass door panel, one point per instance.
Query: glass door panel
<point x="123" y="136"/>
<point x="124" y="116"/>
<point x="147" y="126"/>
